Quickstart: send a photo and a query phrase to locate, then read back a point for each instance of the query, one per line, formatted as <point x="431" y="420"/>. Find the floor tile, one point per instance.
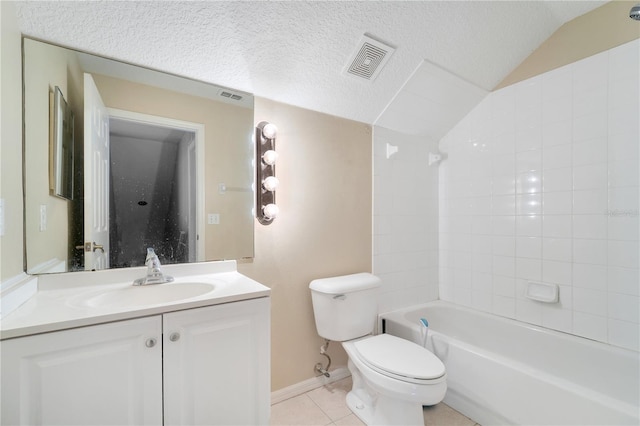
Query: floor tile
<point x="350" y="420"/>
<point x="443" y="415"/>
<point x="300" y="410"/>
<point x="331" y="398"/>
<point x="327" y="405"/>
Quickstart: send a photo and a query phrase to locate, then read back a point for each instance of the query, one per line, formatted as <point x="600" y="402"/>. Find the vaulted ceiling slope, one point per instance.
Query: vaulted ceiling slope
<point x="295" y="51"/>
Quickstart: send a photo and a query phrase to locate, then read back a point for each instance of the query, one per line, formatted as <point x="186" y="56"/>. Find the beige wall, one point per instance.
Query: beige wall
<point x="11" y="247"/>
<point x="601" y="29"/>
<point x="324" y="228"/>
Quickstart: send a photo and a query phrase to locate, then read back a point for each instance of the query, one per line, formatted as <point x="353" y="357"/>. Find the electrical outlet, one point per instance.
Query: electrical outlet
<point x="213" y="219"/>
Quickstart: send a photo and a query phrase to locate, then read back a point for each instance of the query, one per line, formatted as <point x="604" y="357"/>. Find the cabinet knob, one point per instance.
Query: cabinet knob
<point x="151" y="342"/>
<point x="174" y="337"/>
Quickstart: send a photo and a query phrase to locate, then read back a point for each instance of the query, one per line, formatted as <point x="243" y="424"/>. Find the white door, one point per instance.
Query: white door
<point x="96" y="178"/>
<point x="217" y="365"/>
<point x="108" y="374"/>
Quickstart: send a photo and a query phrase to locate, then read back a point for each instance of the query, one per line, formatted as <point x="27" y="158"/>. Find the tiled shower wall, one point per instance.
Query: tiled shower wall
<point x="541" y="184"/>
<point x="405" y="208"/>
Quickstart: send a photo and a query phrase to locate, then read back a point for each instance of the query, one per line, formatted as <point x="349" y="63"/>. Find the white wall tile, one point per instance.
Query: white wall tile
<point x="529" y="204"/>
<point x="529" y="161"/>
<point x="529" y="269"/>
<point x="590" y="326"/>
<point x="590" y="276"/>
<point x="590" y="226"/>
<point x="590" y="102"/>
<point x="504" y="266"/>
<point x="558" y="180"/>
<point x="591" y="150"/>
<point x="592" y="176"/>
<point x="590" y="73"/>
<point x="624" y="254"/>
<point x="623" y="173"/>
<point x="482" y="301"/>
<point x="624" y="200"/>
<point x="557" y="318"/>
<point x="555" y="203"/>
<point x="556" y="272"/>
<point x="557" y="84"/>
<point x="625" y="227"/>
<point x="503" y="225"/>
<point x="557" y="133"/>
<point x="590" y="251"/>
<point x="624" y="334"/>
<point x="504" y="306"/>
<point x="530" y="226"/>
<point x="590" y="301"/>
<point x="557" y="157"/>
<point x="557" y="109"/>
<point x="564" y="169"/>
<point x="530" y="247"/>
<point x="623" y="280"/>
<point x="528" y="311"/>
<point x="557" y="226"/>
<point x="592" y="201"/>
<point x="624" y="307"/>
<point x="502" y="205"/>
<point x="529" y="182"/>
<point x="558" y="249"/>
<point x="588" y="127"/>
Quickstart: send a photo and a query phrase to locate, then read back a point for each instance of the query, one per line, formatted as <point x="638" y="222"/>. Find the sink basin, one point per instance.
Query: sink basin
<point x="136" y="296"/>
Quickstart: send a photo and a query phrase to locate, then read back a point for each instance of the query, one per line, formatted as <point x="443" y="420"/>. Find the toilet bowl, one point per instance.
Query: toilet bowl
<point x="392" y="377"/>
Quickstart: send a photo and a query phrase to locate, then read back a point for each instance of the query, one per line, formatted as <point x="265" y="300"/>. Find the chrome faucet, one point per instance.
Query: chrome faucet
<point x="154" y="274"/>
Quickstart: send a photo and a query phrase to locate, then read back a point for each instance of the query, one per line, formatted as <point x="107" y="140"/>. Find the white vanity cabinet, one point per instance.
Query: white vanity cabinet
<point x="217" y="365"/>
<point x="207" y="365"/>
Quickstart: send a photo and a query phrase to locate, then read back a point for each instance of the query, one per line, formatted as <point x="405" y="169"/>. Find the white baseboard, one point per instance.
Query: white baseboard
<point x="308" y="385"/>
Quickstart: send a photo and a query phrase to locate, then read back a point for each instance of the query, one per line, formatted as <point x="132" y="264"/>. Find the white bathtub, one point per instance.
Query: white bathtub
<point x="501" y="371"/>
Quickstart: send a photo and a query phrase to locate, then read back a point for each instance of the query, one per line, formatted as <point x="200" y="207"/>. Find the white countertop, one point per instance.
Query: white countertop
<point x="59" y="302"/>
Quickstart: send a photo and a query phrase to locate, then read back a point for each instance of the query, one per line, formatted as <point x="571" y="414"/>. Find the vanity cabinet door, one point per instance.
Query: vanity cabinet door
<point x="108" y="374"/>
<point x="217" y="364"/>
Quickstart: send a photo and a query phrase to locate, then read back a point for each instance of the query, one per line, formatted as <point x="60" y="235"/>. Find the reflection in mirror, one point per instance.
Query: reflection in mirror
<point x="158" y="161"/>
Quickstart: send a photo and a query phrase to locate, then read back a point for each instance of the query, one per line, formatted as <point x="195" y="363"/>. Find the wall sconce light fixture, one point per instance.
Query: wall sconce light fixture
<point x="266" y="181"/>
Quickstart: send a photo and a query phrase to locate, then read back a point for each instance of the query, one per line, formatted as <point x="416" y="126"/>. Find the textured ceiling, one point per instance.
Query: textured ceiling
<point x="295" y="52"/>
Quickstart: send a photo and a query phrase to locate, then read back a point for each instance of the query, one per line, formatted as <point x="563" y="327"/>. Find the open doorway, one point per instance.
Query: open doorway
<point x="153" y="189"/>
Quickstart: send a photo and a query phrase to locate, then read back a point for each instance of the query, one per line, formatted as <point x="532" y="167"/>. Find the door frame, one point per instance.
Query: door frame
<point x="198" y="130"/>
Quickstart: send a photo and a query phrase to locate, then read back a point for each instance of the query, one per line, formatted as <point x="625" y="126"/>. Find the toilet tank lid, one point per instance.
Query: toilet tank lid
<point x="345" y="283"/>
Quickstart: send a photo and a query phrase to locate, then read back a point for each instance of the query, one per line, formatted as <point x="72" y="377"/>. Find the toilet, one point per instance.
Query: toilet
<point x="392" y="377"/>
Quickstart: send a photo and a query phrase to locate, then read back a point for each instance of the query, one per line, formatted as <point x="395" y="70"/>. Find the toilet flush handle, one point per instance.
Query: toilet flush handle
<point x="340" y="296"/>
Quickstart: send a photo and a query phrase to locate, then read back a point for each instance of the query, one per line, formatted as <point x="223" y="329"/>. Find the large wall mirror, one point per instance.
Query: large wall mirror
<point x="158" y="161"/>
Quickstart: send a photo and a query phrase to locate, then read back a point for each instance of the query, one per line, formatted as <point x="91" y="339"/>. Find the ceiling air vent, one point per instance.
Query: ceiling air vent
<point x="230" y="95"/>
<point x="368" y="59"/>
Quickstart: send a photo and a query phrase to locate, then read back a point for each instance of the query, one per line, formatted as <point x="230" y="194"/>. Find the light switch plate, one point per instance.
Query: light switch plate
<point x="43" y="217"/>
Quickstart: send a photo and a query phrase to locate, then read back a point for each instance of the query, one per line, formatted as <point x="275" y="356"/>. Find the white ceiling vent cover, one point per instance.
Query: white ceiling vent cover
<point x="368" y="59"/>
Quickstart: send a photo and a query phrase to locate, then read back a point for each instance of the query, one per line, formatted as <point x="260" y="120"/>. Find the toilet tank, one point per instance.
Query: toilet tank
<point x="345" y="307"/>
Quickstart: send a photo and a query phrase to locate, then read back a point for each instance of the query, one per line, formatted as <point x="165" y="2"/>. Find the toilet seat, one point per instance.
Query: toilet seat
<point x="400" y="359"/>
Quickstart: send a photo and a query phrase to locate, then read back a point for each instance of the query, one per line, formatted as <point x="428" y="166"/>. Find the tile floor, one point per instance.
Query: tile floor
<point x="326" y="405"/>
